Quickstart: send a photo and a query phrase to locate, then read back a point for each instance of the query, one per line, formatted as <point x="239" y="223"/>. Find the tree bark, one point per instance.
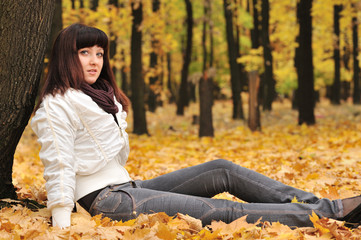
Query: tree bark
<point x="153" y="80"/>
<point x="336" y="93"/>
<point x="25" y="29"/>
<point x="183" y="90"/>
<point x="137" y="83"/>
<point x="232" y="58"/>
<point x="94" y="5"/>
<point x="268" y="81"/>
<point x="254" y="119"/>
<point x="124" y="75"/>
<point x="113" y="39"/>
<point x="356" y="67"/>
<point x="255" y="39"/>
<point x="205" y="83"/>
<point x="305" y="91"/>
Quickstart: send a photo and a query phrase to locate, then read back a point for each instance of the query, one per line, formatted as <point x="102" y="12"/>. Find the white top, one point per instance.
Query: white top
<point x="82" y="149"/>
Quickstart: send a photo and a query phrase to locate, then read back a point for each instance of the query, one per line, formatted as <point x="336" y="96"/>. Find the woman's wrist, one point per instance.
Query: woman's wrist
<point x="61" y="216"/>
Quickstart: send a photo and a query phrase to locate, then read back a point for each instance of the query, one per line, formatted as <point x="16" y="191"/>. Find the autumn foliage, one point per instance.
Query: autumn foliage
<point x="324" y="159"/>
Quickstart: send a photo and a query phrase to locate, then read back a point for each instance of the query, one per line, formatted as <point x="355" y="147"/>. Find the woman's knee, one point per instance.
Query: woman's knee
<point x="221" y="163"/>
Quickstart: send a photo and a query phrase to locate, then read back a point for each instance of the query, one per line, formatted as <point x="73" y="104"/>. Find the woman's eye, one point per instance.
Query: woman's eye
<point x="84" y="52"/>
<point x="100" y="54"/>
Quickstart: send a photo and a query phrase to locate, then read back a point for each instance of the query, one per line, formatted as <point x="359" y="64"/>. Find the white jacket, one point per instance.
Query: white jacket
<point x="82" y="149"/>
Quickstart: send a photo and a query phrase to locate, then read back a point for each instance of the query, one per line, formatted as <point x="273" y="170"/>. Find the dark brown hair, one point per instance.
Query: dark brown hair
<point x="65" y="69"/>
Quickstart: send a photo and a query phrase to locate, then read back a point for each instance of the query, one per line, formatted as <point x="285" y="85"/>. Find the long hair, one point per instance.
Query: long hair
<point x="65" y="69"/>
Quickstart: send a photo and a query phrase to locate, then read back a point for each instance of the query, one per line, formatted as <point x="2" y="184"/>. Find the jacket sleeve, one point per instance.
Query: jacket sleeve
<point x="55" y="125"/>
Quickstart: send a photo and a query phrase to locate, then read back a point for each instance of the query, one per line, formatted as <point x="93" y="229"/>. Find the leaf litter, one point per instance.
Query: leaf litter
<point x="324" y="159"/>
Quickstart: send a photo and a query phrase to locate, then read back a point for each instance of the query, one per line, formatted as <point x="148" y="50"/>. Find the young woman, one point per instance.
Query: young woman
<point x="80" y="124"/>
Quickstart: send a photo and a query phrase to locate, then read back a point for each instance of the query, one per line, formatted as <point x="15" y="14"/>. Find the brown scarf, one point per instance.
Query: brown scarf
<point x="102" y="93"/>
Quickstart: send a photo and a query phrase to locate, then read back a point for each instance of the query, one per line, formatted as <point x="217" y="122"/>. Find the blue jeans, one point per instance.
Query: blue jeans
<point x="189" y="191"/>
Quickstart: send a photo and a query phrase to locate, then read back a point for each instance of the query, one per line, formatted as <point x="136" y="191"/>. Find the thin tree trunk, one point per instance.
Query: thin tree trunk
<point x="183" y="90"/>
<point x="172" y="97"/>
<point x="25" y="29"/>
<point x="336" y="93"/>
<point x="153" y="80"/>
<point x="255" y="30"/>
<point x="94" y="5"/>
<point x="356" y="67"/>
<point x="269" y="82"/>
<point x="124" y="75"/>
<point x="113" y="39"/>
<point x="254" y="119"/>
<point x="137" y="83"/>
<point x="205" y="83"/>
<point x="232" y="57"/>
<point x="305" y="91"/>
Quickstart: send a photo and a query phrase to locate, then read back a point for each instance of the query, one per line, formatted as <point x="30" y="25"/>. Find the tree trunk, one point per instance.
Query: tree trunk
<point x="255" y="30"/>
<point x="56" y="27"/>
<point x="305" y="91"/>
<point x="124" y="76"/>
<point x="254" y="119"/>
<point x="25" y="29"/>
<point x="232" y="57"/>
<point x="137" y="83"/>
<point x="153" y="80"/>
<point x="268" y="81"/>
<point x="94" y="5"/>
<point x="113" y="39"/>
<point x="336" y="93"/>
<point x="205" y="83"/>
<point x="183" y="90"/>
<point x="356" y="67"/>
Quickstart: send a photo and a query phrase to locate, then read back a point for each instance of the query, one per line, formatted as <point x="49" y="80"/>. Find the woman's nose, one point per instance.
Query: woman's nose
<point x="93" y="60"/>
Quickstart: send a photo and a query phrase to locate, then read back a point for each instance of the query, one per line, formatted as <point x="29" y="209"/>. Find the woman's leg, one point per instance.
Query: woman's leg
<point x="211" y="178"/>
<point x="126" y="202"/>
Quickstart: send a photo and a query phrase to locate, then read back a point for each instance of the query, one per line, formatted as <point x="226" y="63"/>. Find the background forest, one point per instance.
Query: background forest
<point x="202" y="68"/>
<point x="182" y="43"/>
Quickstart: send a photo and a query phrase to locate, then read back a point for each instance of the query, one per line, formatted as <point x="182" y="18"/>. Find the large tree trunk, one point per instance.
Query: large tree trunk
<point x="153" y="80"/>
<point x="305" y="91"/>
<point x="232" y="57"/>
<point x="56" y="27"/>
<point x="356" y="67"/>
<point x="268" y="81"/>
<point x="336" y="87"/>
<point x="25" y="28"/>
<point x="137" y="83"/>
<point x="183" y="90"/>
<point x="205" y="83"/>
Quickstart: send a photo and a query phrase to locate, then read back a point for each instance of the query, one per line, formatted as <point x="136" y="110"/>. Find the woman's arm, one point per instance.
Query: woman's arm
<point x="55" y="125"/>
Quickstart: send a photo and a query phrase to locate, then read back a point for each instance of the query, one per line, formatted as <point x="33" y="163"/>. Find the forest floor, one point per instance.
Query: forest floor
<point x="324" y="159"/>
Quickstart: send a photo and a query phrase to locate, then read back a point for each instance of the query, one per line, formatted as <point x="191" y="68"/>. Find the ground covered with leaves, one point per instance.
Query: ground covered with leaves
<point x="324" y="159"/>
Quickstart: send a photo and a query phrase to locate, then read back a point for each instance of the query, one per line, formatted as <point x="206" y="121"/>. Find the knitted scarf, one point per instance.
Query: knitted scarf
<point x="102" y="93"/>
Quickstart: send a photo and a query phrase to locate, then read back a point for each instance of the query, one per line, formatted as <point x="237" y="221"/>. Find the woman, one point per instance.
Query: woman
<point x="80" y="123"/>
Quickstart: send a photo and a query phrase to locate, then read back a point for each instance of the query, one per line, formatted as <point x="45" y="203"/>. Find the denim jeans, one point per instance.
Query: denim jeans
<point x="189" y="191"/>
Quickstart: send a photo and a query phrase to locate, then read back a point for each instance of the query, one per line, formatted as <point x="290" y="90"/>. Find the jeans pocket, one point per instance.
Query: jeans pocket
<point x="108" y="203"/>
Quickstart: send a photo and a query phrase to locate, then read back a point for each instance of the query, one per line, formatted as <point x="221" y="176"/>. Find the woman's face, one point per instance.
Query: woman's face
<point x="91" y="59"/>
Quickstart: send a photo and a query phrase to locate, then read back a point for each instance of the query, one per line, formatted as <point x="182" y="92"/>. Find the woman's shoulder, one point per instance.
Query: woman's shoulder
<point x="70" y="96"/>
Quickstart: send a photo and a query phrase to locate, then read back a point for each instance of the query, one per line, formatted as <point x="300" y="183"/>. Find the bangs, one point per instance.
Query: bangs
<point x="89" y="36"/>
